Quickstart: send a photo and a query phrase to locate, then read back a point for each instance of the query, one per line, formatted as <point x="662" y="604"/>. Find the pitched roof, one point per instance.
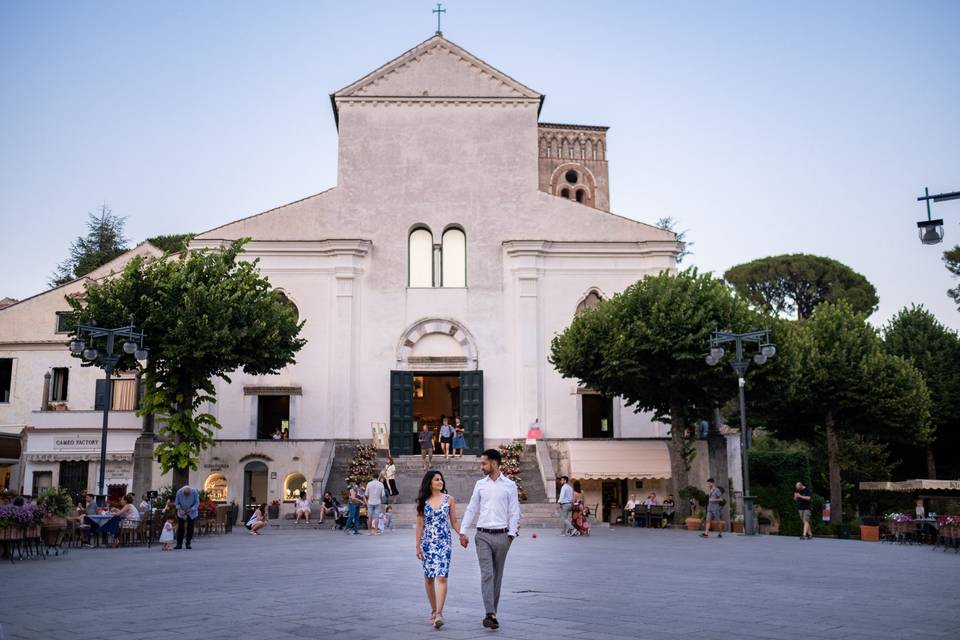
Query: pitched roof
<point x="435" y="68"/>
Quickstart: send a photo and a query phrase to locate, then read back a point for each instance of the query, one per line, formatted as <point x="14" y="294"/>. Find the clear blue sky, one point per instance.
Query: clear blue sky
<point x="764" y="128"/>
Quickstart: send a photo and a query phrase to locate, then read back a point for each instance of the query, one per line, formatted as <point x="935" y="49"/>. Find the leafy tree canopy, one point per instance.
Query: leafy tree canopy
<point x="104" y="242"/>
<point x="670" y="224"/>
<point x="205" y="314"/>
<point x="797" y="283"/>
<point x="171" y="243"/>
<point x="951" y="259"/>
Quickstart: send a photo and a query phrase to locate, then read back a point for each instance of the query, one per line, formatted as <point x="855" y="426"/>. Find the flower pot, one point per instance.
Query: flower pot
<point x="32" y="531"/>
<point x="273" y="512"/>
<point x="870" y="534"/>
<point x="693" y="524"/>
<point x="11" y="533"/>
<point x="736" y="527"/>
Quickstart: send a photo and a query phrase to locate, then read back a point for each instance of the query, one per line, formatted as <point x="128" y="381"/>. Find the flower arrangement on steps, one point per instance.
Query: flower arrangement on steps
<point x="362" y="465"/>
<point x="510" y="465"/>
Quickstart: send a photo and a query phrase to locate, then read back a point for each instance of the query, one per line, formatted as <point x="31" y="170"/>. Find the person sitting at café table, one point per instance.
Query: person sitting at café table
<point x="651" y="500"/>
<point x="628" y="509"/>
<point x="129" y="513"/>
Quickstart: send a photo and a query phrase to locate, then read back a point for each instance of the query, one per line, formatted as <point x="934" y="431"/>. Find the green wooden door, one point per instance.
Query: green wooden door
<point x="471" y="410"/>
<point x="402" y="436"/>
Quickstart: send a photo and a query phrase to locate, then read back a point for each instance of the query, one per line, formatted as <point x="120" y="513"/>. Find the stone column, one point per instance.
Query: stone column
<point x="143" y="452"/>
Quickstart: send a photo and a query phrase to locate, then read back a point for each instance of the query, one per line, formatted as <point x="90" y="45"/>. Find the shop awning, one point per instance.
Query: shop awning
<point x="78" y="456"/>
<point x="614" y="459"/>
<point x="912" y="485"/>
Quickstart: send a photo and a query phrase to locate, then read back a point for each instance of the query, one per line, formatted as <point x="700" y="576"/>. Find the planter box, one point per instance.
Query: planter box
<point x="870" y="534"/>
<point x="11" y="533"/>
<point x="736" y="527"/>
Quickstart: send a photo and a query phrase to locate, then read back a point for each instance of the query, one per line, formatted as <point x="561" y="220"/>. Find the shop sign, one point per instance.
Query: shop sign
<point x="76" y="443"/>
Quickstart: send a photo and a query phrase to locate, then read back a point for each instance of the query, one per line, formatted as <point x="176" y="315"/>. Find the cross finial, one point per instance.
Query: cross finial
<point x="438" y="11"/>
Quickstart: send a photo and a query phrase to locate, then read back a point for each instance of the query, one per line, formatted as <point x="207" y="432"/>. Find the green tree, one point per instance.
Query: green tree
<point x="670" y="224"/>
<point x="797" y="283"/>
<point x="104" y="242"/>
<point x="917" y="336"/>
<point x="951" y="259"/>
<point x="834" y="379"/>
<point x="647" y="346"/>
<point x="171" y="243"/>
<point x="205" y="314"/>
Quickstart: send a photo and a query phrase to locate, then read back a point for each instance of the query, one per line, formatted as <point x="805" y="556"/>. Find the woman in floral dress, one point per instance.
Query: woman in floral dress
<point x="436" y="513"/>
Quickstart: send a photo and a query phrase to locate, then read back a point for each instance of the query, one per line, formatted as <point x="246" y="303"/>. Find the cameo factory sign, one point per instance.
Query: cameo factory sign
<point x="76" y="443"/>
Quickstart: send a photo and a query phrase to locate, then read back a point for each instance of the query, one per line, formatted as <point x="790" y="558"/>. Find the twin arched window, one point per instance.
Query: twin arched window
<point x="431" y="265"/>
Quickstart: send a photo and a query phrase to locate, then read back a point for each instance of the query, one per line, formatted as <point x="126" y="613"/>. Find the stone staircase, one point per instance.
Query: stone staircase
<point x="461" y="474"/>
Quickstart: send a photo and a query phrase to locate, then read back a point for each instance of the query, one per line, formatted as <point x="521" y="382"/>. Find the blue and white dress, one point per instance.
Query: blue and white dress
<point x="436" y="542"/>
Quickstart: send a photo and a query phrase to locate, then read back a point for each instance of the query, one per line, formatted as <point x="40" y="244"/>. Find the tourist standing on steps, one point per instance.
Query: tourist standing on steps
<point x="436" y="517"/>
<point x="714" y="508"/>
<point x="803" y="498"/>
<point x="446" y="437"/>
<point x="566" y="507"/>
<point x="374" y="495"/>
<point x="459" y="441"/>
<point x="187" y="503"/>
<point x="497" y="502"/>
<point x="426" y="445"/>
<point x="390" y="477"/>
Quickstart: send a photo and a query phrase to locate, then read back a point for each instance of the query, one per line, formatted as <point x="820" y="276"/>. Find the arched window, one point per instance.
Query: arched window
<point x="216" y="487"/>
<point x="289" y="304"/>
<point x="591" y="301"/>
<point x="565" y="193"/>
<point x="580" y="194"/>
<point x="454" y="258"/>
<point x="420" y="256"/>
<point x="293" y="485"/>
<point x="591" y="153"/>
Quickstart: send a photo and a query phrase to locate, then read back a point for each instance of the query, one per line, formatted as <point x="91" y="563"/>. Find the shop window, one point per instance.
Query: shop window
<point x="454" y="255"/>
<point x="293" y="486"/>
<point x="59" y="383"/>
<point x="41" y="480"/>
<point x="273" y="417"/>
<point x="123" y="395"/>
<point x="216" y="487"/>
<point x="6" y="378"/>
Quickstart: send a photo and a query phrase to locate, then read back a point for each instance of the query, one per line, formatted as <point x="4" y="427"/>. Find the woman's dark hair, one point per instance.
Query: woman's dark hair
<point x="576" y="486"/>
<point x="493" y="455"/>
<point x="426" y="490"/>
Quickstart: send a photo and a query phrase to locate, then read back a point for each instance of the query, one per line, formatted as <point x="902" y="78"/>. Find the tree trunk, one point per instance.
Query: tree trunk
<point x="181" y="477"/>
<point x="678" y="465"/>
<point x="836" y="485"/>
<point x="931" y="463"/>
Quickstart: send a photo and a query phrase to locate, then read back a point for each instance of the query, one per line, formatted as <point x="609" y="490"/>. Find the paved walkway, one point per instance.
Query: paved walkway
<point x="618" y="583"/>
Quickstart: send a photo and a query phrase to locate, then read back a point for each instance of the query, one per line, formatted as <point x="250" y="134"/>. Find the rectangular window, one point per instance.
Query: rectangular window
<point x="6" y="378"/>
<point x="42" y="480"/>
<point x="59" y="383"/>
<point x="273" y="417"/>
<point x="123" y="395"/>
<point x="597" y="416"/>
<point x="64" y="321"/>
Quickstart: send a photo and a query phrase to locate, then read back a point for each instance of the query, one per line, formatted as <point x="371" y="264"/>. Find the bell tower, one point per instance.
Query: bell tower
<point x="573" y="163"/>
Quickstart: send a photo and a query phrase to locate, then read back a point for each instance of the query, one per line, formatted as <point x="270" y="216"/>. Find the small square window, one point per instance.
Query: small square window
<point x="64" y="321"/>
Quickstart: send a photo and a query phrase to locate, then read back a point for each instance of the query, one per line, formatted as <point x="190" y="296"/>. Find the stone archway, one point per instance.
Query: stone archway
<point x="437" y="344"/>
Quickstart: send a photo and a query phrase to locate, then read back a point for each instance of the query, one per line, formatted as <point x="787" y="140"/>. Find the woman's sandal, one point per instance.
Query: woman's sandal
<point x="438" y="621"/>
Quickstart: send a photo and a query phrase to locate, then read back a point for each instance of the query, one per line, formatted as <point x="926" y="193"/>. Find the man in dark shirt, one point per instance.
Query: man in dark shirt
<point x="802" y="496"/>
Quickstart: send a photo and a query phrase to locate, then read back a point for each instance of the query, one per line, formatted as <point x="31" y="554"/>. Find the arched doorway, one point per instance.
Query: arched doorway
<point x="254" y="487"/>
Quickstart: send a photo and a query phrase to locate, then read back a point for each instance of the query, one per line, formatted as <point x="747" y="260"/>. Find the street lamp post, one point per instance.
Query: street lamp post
<point x="106" y="360"/>
<point x="766" y="350"/>
<point x="931" y="231"/>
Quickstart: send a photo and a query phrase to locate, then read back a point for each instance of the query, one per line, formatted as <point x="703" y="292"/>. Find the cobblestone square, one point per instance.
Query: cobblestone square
<point x="618" y="583"/>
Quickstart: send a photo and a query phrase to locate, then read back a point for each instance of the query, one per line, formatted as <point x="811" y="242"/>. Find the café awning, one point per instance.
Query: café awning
<point x="912" y="485"/>
<point x="615" y="459"/>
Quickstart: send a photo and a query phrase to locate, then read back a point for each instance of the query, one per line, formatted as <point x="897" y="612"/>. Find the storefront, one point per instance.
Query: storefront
<point x="71" y="459"/>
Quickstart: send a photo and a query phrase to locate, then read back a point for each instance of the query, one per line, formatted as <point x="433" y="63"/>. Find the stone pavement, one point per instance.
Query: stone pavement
<point x="618" y="583"/>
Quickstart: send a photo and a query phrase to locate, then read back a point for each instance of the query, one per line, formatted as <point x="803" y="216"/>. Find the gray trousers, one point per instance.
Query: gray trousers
<point x="492" y="553"/>
<point x="566" y="511"/>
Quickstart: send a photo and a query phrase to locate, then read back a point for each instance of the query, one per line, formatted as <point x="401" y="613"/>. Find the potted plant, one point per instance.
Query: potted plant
<point x="870" y="529"/>
<point x="58" y="504"/>
<point x="57" y="406"/>
<point x="697" y="500"/>
<point x="737" y="525"/>
<point x="273" y="510"/>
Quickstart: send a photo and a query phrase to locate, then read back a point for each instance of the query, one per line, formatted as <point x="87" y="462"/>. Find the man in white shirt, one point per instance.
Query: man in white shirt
<point x="374" y="499"/>
<point x="496" y="505"/>
<point x="566" y="506"/>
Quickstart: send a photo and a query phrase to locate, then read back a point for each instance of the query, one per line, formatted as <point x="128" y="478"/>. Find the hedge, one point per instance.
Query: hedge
<point x="773" y="475"/>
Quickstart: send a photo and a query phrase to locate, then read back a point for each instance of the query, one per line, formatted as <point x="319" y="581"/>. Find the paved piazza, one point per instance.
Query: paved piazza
<point x="618" y="583"/>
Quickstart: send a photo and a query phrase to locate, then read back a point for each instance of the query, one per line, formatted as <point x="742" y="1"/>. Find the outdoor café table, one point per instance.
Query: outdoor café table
<point x="103" y="523"/>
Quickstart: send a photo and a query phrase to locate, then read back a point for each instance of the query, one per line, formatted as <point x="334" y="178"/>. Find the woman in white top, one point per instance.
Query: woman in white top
<point x="129" y="513"/>
<point x="389" y="476"/>
<point x="302" y="506"/>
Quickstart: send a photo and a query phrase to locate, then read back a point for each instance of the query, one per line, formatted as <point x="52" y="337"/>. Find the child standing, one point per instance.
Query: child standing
<point x="386" y="519"/>
<point x="166" y="536"/>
